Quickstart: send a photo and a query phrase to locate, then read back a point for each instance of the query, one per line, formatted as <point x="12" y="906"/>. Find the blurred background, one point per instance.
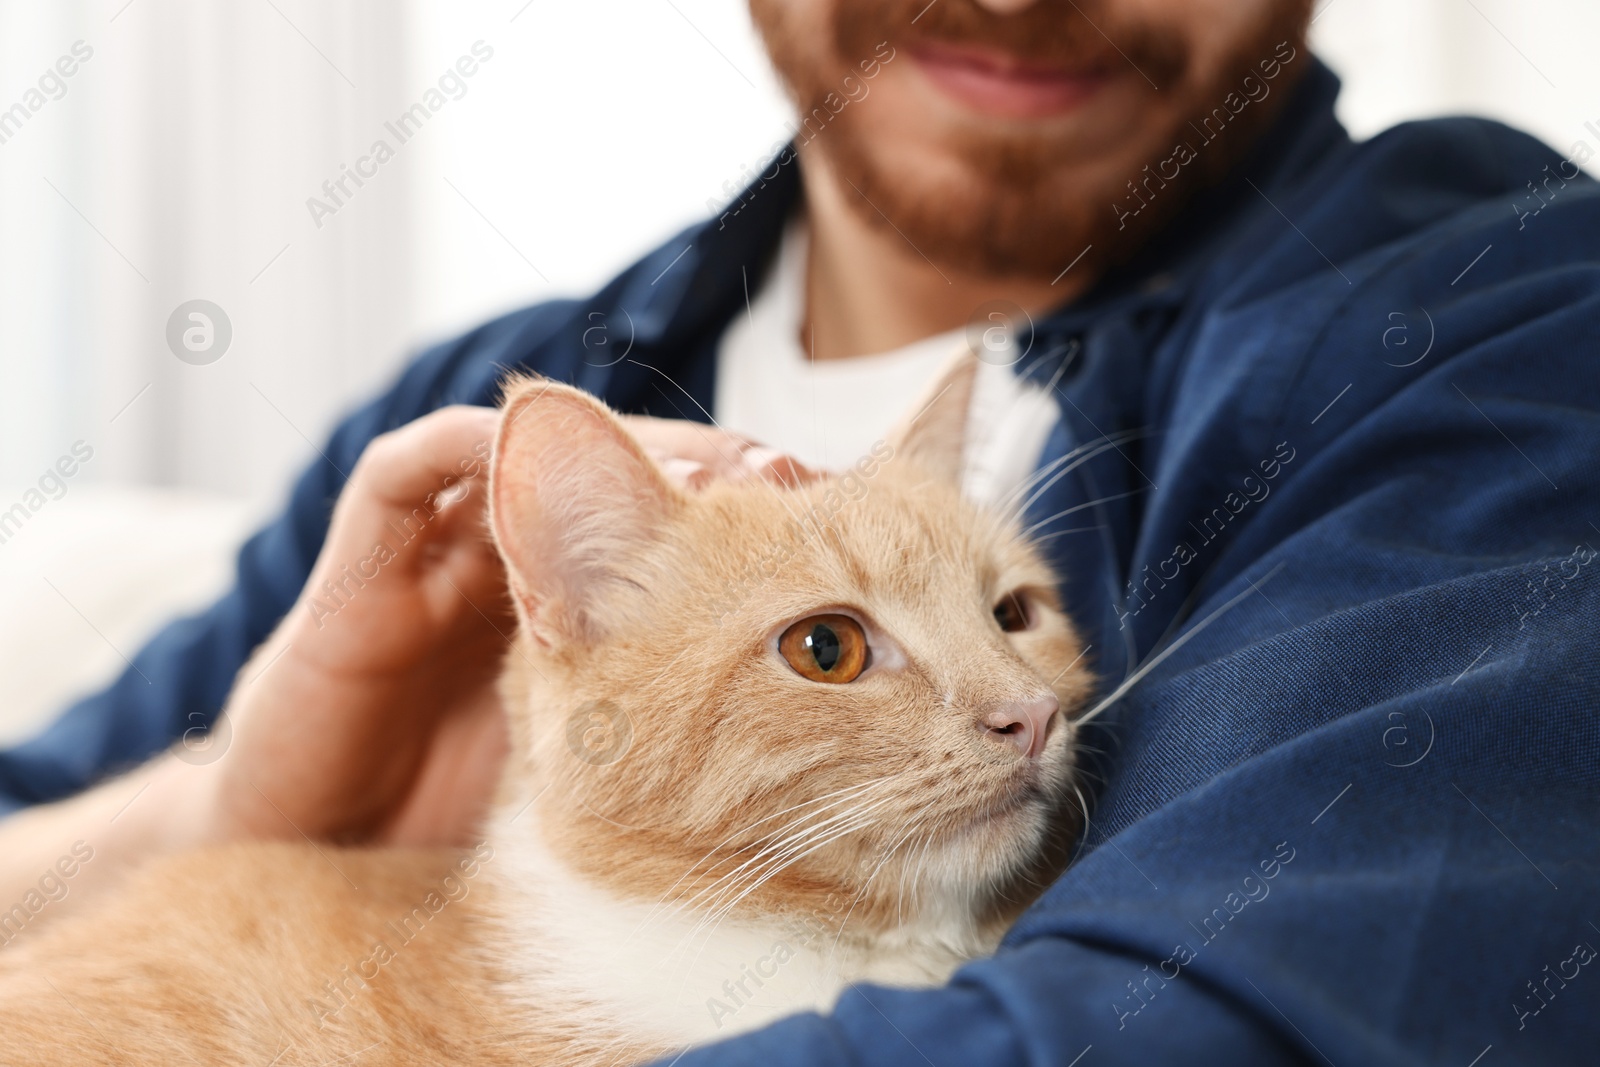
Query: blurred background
<point x="177" y="161"/>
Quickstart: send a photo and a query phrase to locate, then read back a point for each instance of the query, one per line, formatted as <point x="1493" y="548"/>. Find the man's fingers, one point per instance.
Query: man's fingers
<point x="667" y="439"/>
<point x="684" y="473"/>
<point x="427" y="479"/>
<point x="416" y="484"/>
<point x="693" y="455"/>
<point x="400" y="468"/>
<point x="768" y="464"/>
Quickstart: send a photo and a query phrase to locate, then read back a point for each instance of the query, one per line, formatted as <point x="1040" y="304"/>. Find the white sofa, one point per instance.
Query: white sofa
<point x="90" y="576"/>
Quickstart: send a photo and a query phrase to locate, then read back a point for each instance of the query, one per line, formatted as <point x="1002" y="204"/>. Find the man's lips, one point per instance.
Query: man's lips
<point x="1002" y="85"/>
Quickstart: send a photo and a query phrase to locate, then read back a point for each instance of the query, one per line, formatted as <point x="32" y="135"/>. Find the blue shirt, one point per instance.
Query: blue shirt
<point x="1350" y="814"/>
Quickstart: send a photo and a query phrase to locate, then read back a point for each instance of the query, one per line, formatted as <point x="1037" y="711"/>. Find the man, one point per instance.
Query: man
<point x="1317" y="466"/>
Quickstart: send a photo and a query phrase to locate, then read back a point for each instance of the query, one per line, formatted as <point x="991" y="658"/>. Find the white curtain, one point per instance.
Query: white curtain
<point x="1528" y="64"/>
<point x="179" y="162"/>
<point x="175" y="166"/>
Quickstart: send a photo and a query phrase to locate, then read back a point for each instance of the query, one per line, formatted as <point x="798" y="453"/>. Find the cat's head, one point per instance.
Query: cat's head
<point x="849" y="697"/>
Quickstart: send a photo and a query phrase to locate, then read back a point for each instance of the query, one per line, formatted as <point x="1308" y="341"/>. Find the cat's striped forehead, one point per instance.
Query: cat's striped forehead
<point x="896" y="538"/>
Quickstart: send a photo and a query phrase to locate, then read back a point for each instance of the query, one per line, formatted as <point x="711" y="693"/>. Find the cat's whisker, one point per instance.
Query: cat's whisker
<point x="1156" y="660"/>
<point x="836" y="799"/>
<point x="709" y="899"/>
<point x="778" y="852"/>
<point x="861" y="823"/>
<point x="853" y="789"/>
<point x="1054" y="472"/>
<point x="1082" y="803"/>
<point x="712" y="919"/>
<point x="1063" y="533"/>
<point x="1083" y="838"/>
<point x="900" y="887"/>
<point x="917" y="880"/>
<point x="764" y="845"/>
<point x="867" y="884"/>
<point x="911" y="874"/>
<point x="1074" y="348"/>
<point x="1045" y="470"/>
<point x="1046" y="476"/>
<point x="1064" y="512"/>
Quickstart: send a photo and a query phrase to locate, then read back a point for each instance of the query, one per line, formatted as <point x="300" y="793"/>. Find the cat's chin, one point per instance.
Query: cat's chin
<point x="1007" y="843"/>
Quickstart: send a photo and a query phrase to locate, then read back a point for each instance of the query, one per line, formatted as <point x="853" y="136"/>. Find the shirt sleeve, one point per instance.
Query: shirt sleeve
<point x="1355" y="817"/>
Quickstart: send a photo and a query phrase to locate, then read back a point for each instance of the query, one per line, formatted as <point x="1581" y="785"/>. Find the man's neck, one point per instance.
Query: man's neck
<point x="869" y="290"/>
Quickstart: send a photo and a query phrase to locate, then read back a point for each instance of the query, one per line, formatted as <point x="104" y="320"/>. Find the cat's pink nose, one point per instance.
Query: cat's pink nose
<point x="1024" y="723"/>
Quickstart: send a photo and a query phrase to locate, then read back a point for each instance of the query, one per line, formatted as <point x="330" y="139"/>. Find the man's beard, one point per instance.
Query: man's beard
<point x="1015" y="206"/>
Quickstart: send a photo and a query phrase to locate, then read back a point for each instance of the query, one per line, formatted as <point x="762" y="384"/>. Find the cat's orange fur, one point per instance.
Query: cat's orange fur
<point x="689" y="839"/>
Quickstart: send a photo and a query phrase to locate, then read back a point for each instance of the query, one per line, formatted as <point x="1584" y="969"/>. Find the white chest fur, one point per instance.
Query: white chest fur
<point x="680" y="977"/>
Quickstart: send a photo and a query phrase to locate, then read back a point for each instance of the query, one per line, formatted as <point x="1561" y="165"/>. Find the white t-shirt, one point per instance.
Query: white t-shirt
<point x="829" y="413"/>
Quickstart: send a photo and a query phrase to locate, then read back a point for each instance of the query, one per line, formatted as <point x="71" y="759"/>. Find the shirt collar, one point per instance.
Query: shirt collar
<point x="692" y="285"/>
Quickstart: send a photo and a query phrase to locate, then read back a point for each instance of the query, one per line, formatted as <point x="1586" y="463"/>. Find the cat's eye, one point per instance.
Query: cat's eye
<point x="1011" y="613"/>
<point x="825" y="648"/>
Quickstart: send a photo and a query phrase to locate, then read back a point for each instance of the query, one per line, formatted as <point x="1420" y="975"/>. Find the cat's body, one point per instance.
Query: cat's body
<point x="697" y="832"/>
<point x="246" y="955"/>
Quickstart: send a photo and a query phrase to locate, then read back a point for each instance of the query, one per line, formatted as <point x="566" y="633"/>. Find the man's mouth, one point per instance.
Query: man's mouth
<point x="1005" y="86"/>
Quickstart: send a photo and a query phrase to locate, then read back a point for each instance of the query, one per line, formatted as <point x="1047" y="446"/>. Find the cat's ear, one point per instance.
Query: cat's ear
<point x="573" y="499"/>
<point x="933" y="433"/>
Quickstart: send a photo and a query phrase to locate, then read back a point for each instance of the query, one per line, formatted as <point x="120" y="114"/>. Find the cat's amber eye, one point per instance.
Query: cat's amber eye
<point x="1011" y="613"/>
<point x="825" y="648"/>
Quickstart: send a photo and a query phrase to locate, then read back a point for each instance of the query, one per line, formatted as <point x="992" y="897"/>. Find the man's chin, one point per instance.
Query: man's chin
<point x="1013" y="185"/>
<point x="964" y="218"/>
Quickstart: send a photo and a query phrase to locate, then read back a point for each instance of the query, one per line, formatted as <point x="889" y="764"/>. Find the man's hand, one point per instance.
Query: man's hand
<point x="371" y="713"/>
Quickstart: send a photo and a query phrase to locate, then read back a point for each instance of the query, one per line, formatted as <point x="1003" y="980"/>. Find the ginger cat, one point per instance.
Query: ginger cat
<point x="767" y="742"/>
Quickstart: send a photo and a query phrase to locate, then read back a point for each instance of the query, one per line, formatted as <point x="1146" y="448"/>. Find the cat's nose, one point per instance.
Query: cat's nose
<point x="1024" y="723"/>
